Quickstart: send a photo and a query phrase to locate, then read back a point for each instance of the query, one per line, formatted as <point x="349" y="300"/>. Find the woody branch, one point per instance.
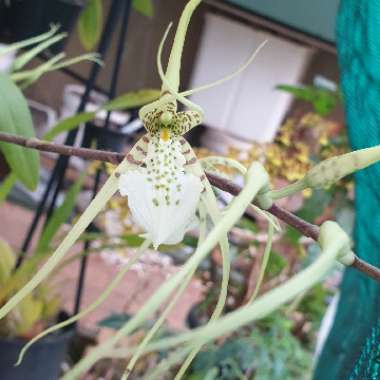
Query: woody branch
<point x="304" y="227"/>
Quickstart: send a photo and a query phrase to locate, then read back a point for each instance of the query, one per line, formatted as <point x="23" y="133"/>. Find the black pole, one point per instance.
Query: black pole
<point x="112" y="94"/>
<point x="62" y="162"/>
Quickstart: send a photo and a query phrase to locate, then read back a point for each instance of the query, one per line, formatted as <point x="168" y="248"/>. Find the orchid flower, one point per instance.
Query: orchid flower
<point x="165" y="184"/>
<point x="168" y="194"/>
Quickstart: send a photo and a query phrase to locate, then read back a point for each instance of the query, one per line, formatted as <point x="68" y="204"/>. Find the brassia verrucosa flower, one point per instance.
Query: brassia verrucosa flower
<point x="168" y="194"/>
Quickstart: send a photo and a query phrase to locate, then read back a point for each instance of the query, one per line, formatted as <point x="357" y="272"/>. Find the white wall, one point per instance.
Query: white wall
<point x="248" y="107"/>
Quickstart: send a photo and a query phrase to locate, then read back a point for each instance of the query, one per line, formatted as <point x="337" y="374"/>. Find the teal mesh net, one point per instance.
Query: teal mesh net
<point x="353" y="347"/>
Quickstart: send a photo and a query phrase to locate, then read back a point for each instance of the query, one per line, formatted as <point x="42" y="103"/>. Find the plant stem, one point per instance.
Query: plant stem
<point x="306" y="228"/>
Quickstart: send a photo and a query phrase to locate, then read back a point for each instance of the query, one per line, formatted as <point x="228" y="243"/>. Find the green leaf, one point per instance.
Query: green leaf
<point x="15" y="118"/>
<point x="276" y="264"/>
<point x="115" y="321"/>
<point x="132" y="240"/>
<point x="29" y="311"/>
<point x="30" y="41"/>
<point x="60" y="215"/>
<point x="26" y="57"/>
<point x="129" y="100"/>
<point x="314" y="206"/>
<point x="90" y="24"/>
<point x="302" y="93"/>
<point x="145" y="7"/>
<point x="7" y="261"/>
<point x="68" y="124"/>
<point x="323" y="101"/>
<point x="132" y="99"/>
<point x="6" y="186"/>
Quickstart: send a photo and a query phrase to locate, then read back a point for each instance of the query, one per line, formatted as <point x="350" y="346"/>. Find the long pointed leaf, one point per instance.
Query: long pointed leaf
<point x="132" y="99"/>
<point x="60" y="215"/>
<point x="68" y="124"/>
<point x="15" y="118"/>
<point x="90" y="24"/>
<point x="26" y="57"/>
<point x="145" y="7"/>
<point x="125" y="101"/>
<point x="6" y="186"/>
<point x="29" y="41"/>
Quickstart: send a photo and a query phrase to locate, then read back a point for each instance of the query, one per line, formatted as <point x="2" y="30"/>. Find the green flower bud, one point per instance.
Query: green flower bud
<point x="333" y="169"/>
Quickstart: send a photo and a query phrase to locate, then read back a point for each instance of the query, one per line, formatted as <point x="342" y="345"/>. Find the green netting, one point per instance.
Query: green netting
<point x="353" y="347"/>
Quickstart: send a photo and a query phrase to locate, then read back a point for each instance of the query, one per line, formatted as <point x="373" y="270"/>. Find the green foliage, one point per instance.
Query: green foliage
<point x="228" y="361"/>
<point x="145" y="7"/>
<point x="132" y="99"/>
<point x="25" y="78"/>
<point x="90" y="24"/>
<point x="35" y="307"/>
<point x="7" y="261"/>
<point x="247" y="224"/>
<point x="15" y="118"/>
<point x="276" y="264"/>
<point x="278" y="353"/>
<point x="324" y="101"/>
<point x="126" y="101"/>
<point x="314" y="205"/>
<point x="314" y="304"/>
<point x="6" y="186"/>
<point x="115" y="321"/>
<point x="60" y="215"/>
<point x="132" y="240"/>
<point x="68" y="124"/>
<point x="42" y="304"/>
<point x="267" y="351"/>
<point x="90" y="21"/>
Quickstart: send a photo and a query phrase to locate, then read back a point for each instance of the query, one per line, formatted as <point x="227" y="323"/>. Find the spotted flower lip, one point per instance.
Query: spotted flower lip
<point x="162" y="196"/>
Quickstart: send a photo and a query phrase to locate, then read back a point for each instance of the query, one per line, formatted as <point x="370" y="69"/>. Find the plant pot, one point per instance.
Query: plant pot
<point x="21" y="25"/>
<point x="41" y="362"/>
<point x="196" y="317"/>
<point x="2" y="13"/>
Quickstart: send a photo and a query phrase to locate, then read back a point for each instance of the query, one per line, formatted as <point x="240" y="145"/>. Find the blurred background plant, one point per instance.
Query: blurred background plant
<point x="90" y="21"/>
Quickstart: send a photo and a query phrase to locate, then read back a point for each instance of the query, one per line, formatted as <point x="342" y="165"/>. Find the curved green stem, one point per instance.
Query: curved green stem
<point x="168" y="308"/>
<point x="214" y="212"/>
<point x="103" y="296"/>
<point x="287" y="191"/>
<point x="264" y="263"/>
<point x="96" y="205"/>
<point x="335" y="244"/>
<point x="257" y="179"/>
<point x="156" y="326"/>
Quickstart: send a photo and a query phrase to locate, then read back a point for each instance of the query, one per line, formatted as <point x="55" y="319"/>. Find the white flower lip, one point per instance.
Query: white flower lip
<point x="162" y="196"/>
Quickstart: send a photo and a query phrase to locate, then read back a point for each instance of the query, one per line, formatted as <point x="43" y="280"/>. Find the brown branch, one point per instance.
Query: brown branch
<point x="305" y="228"/>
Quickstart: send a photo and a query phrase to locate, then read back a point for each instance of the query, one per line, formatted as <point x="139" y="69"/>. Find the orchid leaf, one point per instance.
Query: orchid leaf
<point x="30" y="41"/>
<point x="6" y="186"/>
<point x="7" y="261"/>
<point x="68" y="124"/>
<point x="145" y="7"/>
<point x="132" y="99"/>
<point x="90" y="24"/>
<point x="125" y="101"/>
<point x="15" y="119"/>
<point x="60" y="215"/>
